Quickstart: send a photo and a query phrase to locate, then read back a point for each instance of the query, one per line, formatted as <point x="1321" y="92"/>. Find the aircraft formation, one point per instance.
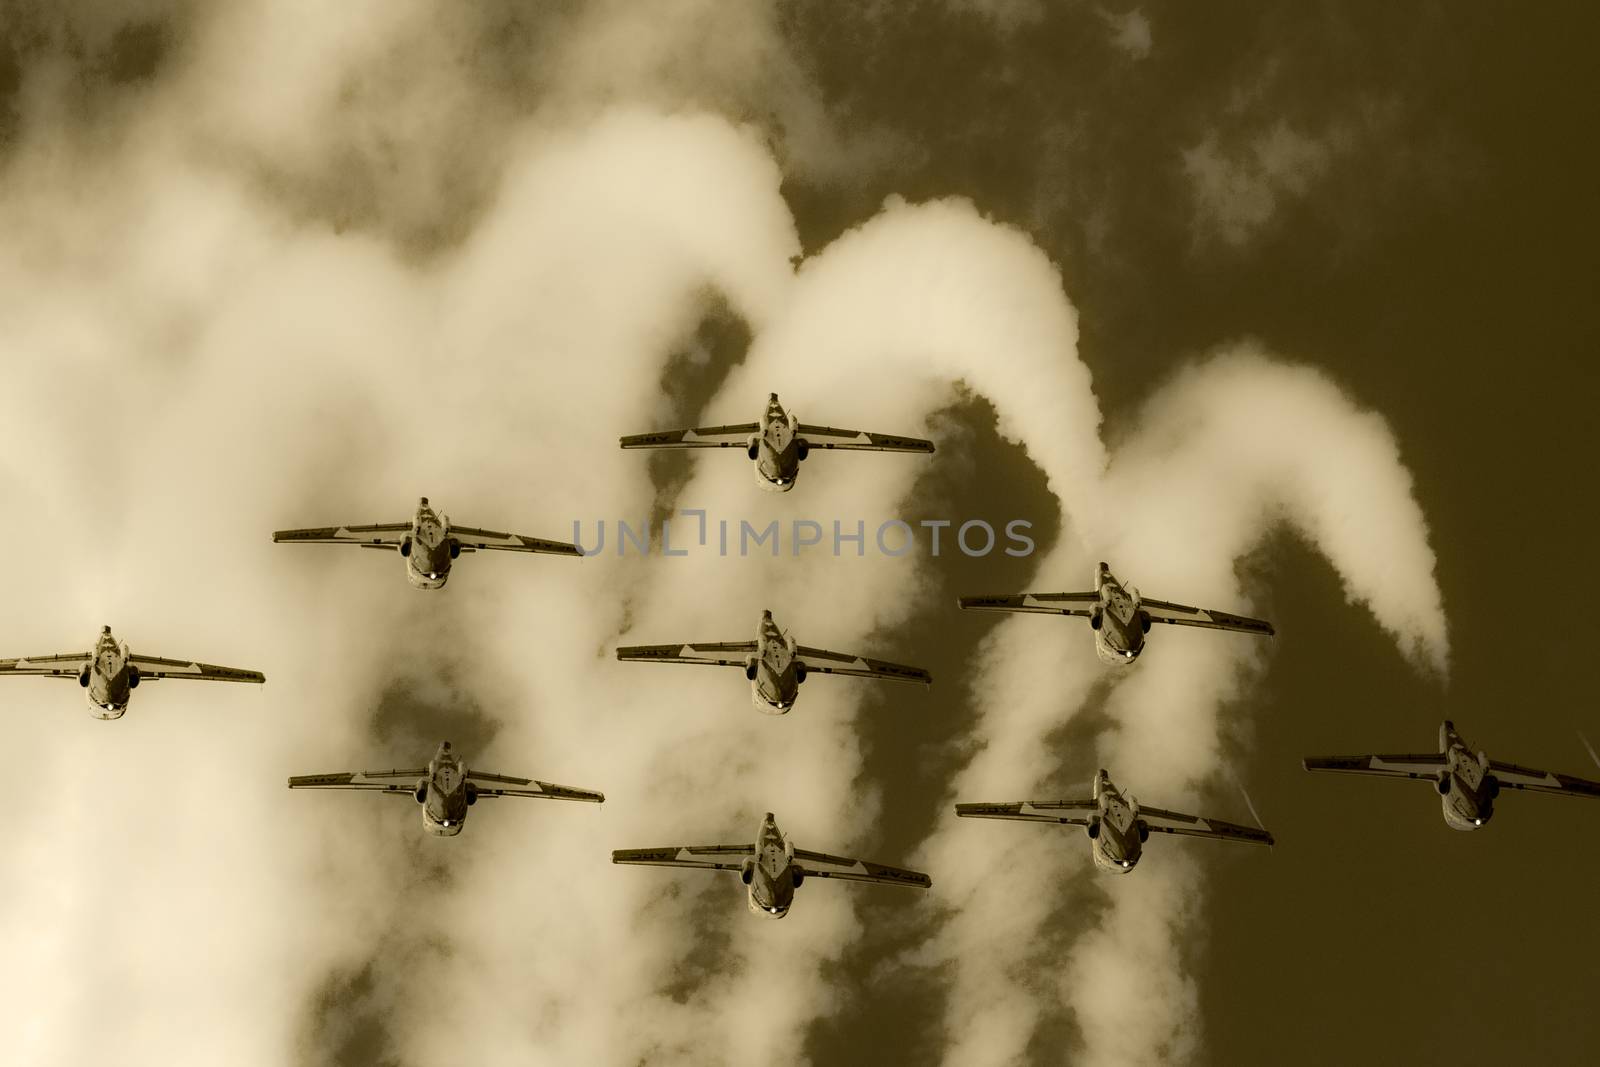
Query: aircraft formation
<point x="771" y="868"/>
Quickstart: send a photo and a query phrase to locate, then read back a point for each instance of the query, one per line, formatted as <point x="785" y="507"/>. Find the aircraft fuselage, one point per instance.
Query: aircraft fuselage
<point x="769" y="875"/>
<point x="1119" y="626"/>
<point x="776" y="449"/>
<point x="1116" y="837"/>
<point x="445" y="794"/>
<point x="429" y="549"/>
<point x="1467" y="789"/>
<point x="109" y="680"/>
<point x="774" y="672"/>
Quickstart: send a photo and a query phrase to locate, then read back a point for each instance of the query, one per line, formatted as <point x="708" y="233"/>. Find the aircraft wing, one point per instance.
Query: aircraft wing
<point x="1512" y="776"/>
<point x="860" y="440"/>
<point x="1423" y="765"/>
<point x="377" y="535"/>
<point x="151" y="667"/>
<point x="1083" y="604"/>
<point x="822" y="865"/>
<point x="707" y="857"/>
<point x="1070" y="812"/>
<point x="735" y="435"/>
<point x="473" y="539"/>
<point x="1176" y="822"/>
<point x="825" y="662"/>
<point x="382" y="781"/>
<point x="726" y="654"/>
<point x="506" y="786"/>
<point x="66" y="665"/>
<point x="1183" y="615"/>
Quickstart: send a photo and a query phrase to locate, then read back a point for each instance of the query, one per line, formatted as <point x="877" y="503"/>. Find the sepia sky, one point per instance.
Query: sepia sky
<point x="1285" y="310"/>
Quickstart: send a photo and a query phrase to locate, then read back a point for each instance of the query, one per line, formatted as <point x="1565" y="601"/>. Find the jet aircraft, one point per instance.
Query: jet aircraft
<point x="1468" y="783"/>
<point x="778" y="444"/>
<point x="445" y="788"/>
<point x="110" y="672"/>
<point x="1117" y="614"/>
<point x="775" y="665"/>
<point x="428" y="543"/>
<point x="772" y="868"/>
<point x="1117" y="824"/>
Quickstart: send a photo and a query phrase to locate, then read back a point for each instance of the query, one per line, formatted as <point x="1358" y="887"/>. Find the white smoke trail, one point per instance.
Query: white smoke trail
<point x="1225" y="452"/>
<point x="1589" y="748"/>
<point x="1245" y="793"/>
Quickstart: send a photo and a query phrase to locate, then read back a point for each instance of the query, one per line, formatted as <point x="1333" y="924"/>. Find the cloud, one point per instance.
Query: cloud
<point x="1131" y="32"/>
<point x="1238" y="191"/>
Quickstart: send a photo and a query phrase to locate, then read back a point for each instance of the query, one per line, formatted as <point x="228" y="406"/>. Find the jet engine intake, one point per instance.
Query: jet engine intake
<point x="799" y="876"/>
<point x="1094" y="621"/>
<point x="752" y="447"/>
<point x="1093" y="829"/>
<point x="750" y="668"/>
<point x="747" y="871"/>
<point x="133" y="676"/>
<point x="1144" y="831"/>
<point x="802" y="449"/>
<point x="455" y="548"/>
<point x="1443" y="785"/>
<point x="799" y="671"/>
<point x="421" y="792"/>
<point x="472" y="794"/>
<point x="405" y="546"/>
<point x="83" y="677"/>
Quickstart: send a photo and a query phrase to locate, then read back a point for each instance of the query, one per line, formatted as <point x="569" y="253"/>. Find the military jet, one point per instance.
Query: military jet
<point x="774" y="664"/>
<point x="772" y="868"/>
<point x="1468" y="782"/>
<point x="1117" y="614"/>
<point x="445" y="788"/>
<point x="428" y="543"/>
<point x="1117" y="824"/>
<point x="778" y="444"/>
<point x="110" y="673"/>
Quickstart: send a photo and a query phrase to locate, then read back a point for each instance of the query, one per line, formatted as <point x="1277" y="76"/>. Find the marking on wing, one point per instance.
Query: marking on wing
<point x="896" y="670"/>
<point x="571" y="792"/>
<point x="988" y="809"/>
<point x="657" y="438"/>
<point x="653" y="651"/>
<point x="194" y="668"/>
<point x="668" y="854"/>
<point x="893" y="874"/>
<point x="323" y="779"/>
<point x="1239" y="621"/>
<point x="71" y="664"/>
